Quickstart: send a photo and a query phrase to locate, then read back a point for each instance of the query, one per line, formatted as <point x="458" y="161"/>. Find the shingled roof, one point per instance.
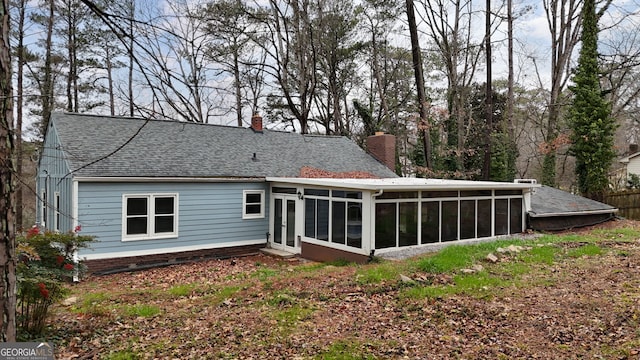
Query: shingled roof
<point x="553" y="209"/>
<point x="548" y="201"/>
<point x="102" y="146"/>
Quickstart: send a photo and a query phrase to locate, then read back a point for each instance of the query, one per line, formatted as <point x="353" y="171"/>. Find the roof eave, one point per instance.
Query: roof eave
<point x="573" y="213"/>
<point x="123" y="179"/>
<point x="382" y="186"/>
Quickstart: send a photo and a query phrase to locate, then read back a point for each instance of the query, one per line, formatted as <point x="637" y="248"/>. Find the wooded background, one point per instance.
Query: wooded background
<point x="337" y="68"/>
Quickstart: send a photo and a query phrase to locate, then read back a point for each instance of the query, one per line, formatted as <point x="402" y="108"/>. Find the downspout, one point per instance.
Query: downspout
<point x="45" y="201"/>
<point x="373" y="251"/>
<point x="75" y="224"/>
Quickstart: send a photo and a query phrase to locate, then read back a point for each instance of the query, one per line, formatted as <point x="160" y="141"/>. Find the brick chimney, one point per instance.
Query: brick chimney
<point x="256" y="122"/>
<point x="383" y="147"/>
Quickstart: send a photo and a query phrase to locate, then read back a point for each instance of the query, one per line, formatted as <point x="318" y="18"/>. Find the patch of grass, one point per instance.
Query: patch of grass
<point x="479" y="285"/>
<point x="345" y="350"/>
<point x="512" y="269"/>
<point x="340" y="262"/>
<point x="432" y="291"/>
<point x="576" y="238"/>
<point x="540" y="255"/>
<point x="622" y="234"/>
<point x="292" y="315"/>
<point x="224" y="293"/>
<point x="311" y="267"/>
<point x="96" y="297"/>
<point x="282" y="299"/>
<point x="586" y="250"/>
<point x="449" y="259"/>
<point x="377" y="273"/>
<point x="122" y="355"/>
<point x="456" y="257"/>
<point x="182" y="290"/>
<point x="264" y="273"/>
<point x="95" y="304"/>
<point x="228" y="291"/>
<point x="142" y="310"/>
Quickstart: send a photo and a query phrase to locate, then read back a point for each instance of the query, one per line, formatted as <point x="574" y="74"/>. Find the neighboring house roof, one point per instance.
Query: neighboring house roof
<point x="102" y="146"/>
<point x="625" y="160"/>
<point x="548" y="201"/>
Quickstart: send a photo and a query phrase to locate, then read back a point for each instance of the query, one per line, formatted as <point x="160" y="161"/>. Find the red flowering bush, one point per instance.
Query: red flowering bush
<point x="45" y="263"/>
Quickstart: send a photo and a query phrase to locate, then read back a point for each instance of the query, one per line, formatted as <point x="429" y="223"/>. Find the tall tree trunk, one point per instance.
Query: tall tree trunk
<point x="563" y="19"/>
<point x="74" y="52"/>
<point x="71" y="58"/>
<point x="19" y="103"/>
<point x="7" y="211"/>
<point x="109" y="68"/>
<point x="509" y="112"/>
<point x="131" y="59"/>
<point x="47" y="84"/>
<point x="237" y="85"/>
<point x="384" y="105"/>
<point x="422" y="97"/>
<point x="486" y="167"/>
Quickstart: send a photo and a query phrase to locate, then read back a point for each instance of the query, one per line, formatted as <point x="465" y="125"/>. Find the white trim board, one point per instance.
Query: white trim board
<point x="120" y="254"/>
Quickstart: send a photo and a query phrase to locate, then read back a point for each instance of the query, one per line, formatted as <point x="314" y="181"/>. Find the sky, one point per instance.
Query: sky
<point x="531" y="33"/>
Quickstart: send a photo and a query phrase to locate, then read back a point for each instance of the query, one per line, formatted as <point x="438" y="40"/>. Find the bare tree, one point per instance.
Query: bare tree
<point x="178" y="66"/>
<point x="422" y="97"/>
<point x="448" y="24"/>
<point x="337" y="39"/>
<point x="291" y="61"/>
<point x="229" y="23"/>
<point x="563" y="20"/>
<point x="486" y="167"/>
<point x="380" y="17"/>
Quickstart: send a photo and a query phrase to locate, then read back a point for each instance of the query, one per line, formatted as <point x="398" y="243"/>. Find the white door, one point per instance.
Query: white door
<point x="284" y="224"/>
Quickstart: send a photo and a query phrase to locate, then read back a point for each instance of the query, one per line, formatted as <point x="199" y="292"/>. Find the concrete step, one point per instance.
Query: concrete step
<point x="277" y="253"/>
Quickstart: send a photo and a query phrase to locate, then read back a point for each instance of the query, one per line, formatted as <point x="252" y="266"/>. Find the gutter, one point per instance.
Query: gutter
<point x="167" y="179"/>
<point x="569" y="213"/>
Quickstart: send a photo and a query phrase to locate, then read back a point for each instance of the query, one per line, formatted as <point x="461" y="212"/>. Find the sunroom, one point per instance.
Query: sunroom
<point x="354" y="219"/>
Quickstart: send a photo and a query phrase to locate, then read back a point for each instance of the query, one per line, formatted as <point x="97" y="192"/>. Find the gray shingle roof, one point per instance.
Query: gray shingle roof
<point x="547" y="201"/>
<point x="165" y="148"/>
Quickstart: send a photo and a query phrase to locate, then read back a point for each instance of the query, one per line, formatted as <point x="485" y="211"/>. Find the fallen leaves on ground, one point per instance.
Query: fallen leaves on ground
<point x="258" y="307"/>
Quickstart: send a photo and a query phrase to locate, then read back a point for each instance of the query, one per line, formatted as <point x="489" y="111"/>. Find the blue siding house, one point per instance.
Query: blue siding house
<point x="154" y="190"/>
<point x="159" y="191"/>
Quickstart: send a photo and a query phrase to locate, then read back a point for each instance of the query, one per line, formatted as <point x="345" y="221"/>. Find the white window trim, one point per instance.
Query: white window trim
<point x="244" y="204"/>
<point x="56" y="214"/>
<point x="150" y="235"/>
<point x="43" y="209"/>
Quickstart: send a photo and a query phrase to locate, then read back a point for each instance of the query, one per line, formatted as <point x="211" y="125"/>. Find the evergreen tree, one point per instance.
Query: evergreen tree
<point x="590" y="114"/>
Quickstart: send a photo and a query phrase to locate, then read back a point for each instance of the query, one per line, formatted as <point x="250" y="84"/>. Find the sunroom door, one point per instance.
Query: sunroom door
<point x="284" y="224"/>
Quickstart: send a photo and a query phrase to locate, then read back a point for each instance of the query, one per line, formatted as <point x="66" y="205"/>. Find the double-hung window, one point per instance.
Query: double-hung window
<point x="150" y="216"/>
<point x="253" y="204"/>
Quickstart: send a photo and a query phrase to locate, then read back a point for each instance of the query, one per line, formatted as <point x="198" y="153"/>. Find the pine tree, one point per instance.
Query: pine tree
<point x="590" y="114"/>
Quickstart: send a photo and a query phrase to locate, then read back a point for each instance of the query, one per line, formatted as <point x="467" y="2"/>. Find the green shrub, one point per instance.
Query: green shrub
<point x="45" y="263"/>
